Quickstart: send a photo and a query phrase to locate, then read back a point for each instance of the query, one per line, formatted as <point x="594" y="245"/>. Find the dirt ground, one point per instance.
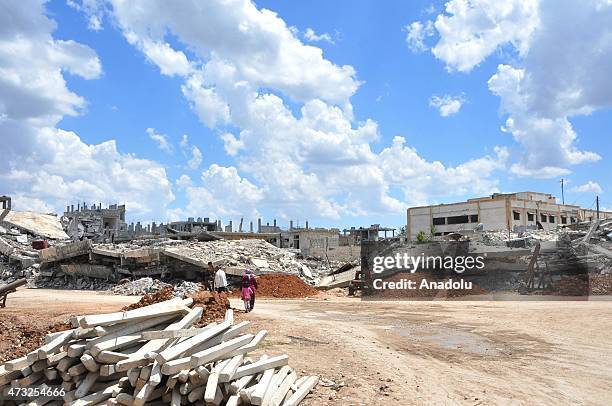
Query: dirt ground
<point x="414" y="352"/>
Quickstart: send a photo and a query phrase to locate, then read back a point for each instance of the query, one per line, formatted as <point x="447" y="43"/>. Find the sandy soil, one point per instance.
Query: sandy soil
<point x="417" y="352"/>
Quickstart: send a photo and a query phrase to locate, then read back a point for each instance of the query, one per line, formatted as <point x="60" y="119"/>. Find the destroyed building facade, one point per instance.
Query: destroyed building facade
<point x="500" y="211"/>
<point x="95" y="222"/>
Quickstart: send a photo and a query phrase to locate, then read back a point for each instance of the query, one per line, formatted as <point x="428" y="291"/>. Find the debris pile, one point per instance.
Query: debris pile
<point x="155" y="354"/>
<point x="505" y="238"/>
<point x="140" y="286"/>
<point x="186" y="288"/>
<point x="258" y="255"/>
<point x="103" y="266"/>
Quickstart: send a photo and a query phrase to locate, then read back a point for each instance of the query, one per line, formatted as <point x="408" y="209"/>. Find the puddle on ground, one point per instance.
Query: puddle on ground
<point x="450" y="339"/>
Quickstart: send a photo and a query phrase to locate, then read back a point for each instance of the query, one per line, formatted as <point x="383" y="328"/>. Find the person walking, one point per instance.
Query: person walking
<point x="208" y="275"/>
<point x="220" y="281"/>
<point x="245" y="290"/>
<point x="253" y="287"/>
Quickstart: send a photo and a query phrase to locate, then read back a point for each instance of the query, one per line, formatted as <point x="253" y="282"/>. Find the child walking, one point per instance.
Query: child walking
<point x="246" y="291"/>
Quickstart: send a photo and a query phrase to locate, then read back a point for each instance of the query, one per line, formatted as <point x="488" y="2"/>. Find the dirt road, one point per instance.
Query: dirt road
<point x="416" y="353"/>
<point x="444" y="353"/>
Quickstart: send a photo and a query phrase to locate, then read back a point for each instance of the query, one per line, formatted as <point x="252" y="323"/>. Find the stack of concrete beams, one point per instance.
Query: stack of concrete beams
<point x="154" y="355"/>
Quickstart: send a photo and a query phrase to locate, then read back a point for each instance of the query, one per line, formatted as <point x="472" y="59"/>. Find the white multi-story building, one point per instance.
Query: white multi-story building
<point x="514" y="211"/>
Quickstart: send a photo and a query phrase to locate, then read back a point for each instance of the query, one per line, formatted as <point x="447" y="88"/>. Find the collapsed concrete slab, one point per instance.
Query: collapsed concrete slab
<point x="60" y="253"/>
<point x="43" y="225"/>
<point x="91" y="271"/>
<point x="339" y="280"/>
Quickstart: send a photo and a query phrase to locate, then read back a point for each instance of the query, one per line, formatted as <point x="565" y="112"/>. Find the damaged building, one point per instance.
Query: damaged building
<point x="95" y="222"/>
<point x="500" y="211"/>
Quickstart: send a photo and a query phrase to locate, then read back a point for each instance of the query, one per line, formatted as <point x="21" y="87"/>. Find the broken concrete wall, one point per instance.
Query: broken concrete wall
<point x="59" y="253"/>
<point x="91" y="271"/>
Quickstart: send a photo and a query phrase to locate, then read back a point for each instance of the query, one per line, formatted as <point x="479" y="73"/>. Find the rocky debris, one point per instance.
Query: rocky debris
<point x="155" y="353"/>
<point x="140" y="286"/>
<point x="522" y="239"/>
<point x="80" y="264"/>
<point x="257" y="255"/>
<point x="144" y="286"/>
<point x="186" y="288"/>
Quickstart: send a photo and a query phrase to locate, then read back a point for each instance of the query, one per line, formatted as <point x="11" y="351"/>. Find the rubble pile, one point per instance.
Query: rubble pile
<point x="138" y="267"/>
<point x="63" y="281"/>
<point x="504" y="238"/>
<point x="258" y="255"/>
<point x="17" y="257"/>
<point x="155" y="354"/>
<point x="140" y="287"/>
<point x="186" y="288"/>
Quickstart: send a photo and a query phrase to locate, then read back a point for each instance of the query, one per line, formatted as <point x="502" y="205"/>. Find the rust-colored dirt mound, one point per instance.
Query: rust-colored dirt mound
<point x="417" y="278"/>
<point x="281" y="286"/>
<point x="151" y="298"/>
<point x="601" y="284"/>
<point x="214" y="304"/>
<point x="582" y="285"/>
<point x="17" y="338"/>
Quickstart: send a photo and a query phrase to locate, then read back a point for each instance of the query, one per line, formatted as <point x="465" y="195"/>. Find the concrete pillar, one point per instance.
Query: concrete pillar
<point x="259" y="225"/>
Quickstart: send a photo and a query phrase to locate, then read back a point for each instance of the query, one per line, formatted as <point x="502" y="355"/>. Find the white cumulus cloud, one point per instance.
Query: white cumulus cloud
<point x="447" y="105"/>
<point x="161" y="139"/>
<point x="558" y="67"/>
<point x="311" y="36"/>
<point x="589" y="187"/>
<point x="46" y="167"/>
<point x="416" y="33"/>
<point x="471" y="30"/>
<point x="196" y="158"/>
<point x="312" y="162"/>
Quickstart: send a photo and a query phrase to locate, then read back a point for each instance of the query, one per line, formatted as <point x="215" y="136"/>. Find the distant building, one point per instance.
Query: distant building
<point x="5" y="202"/>
<point x="354" y="236"/>
<point x="514" y="211"/>
<point x="96" y="222"/>
<point x="194" y="225"/>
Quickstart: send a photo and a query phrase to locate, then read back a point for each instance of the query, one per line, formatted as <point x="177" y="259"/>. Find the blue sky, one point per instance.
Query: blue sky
<point x="384" y="70"/>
